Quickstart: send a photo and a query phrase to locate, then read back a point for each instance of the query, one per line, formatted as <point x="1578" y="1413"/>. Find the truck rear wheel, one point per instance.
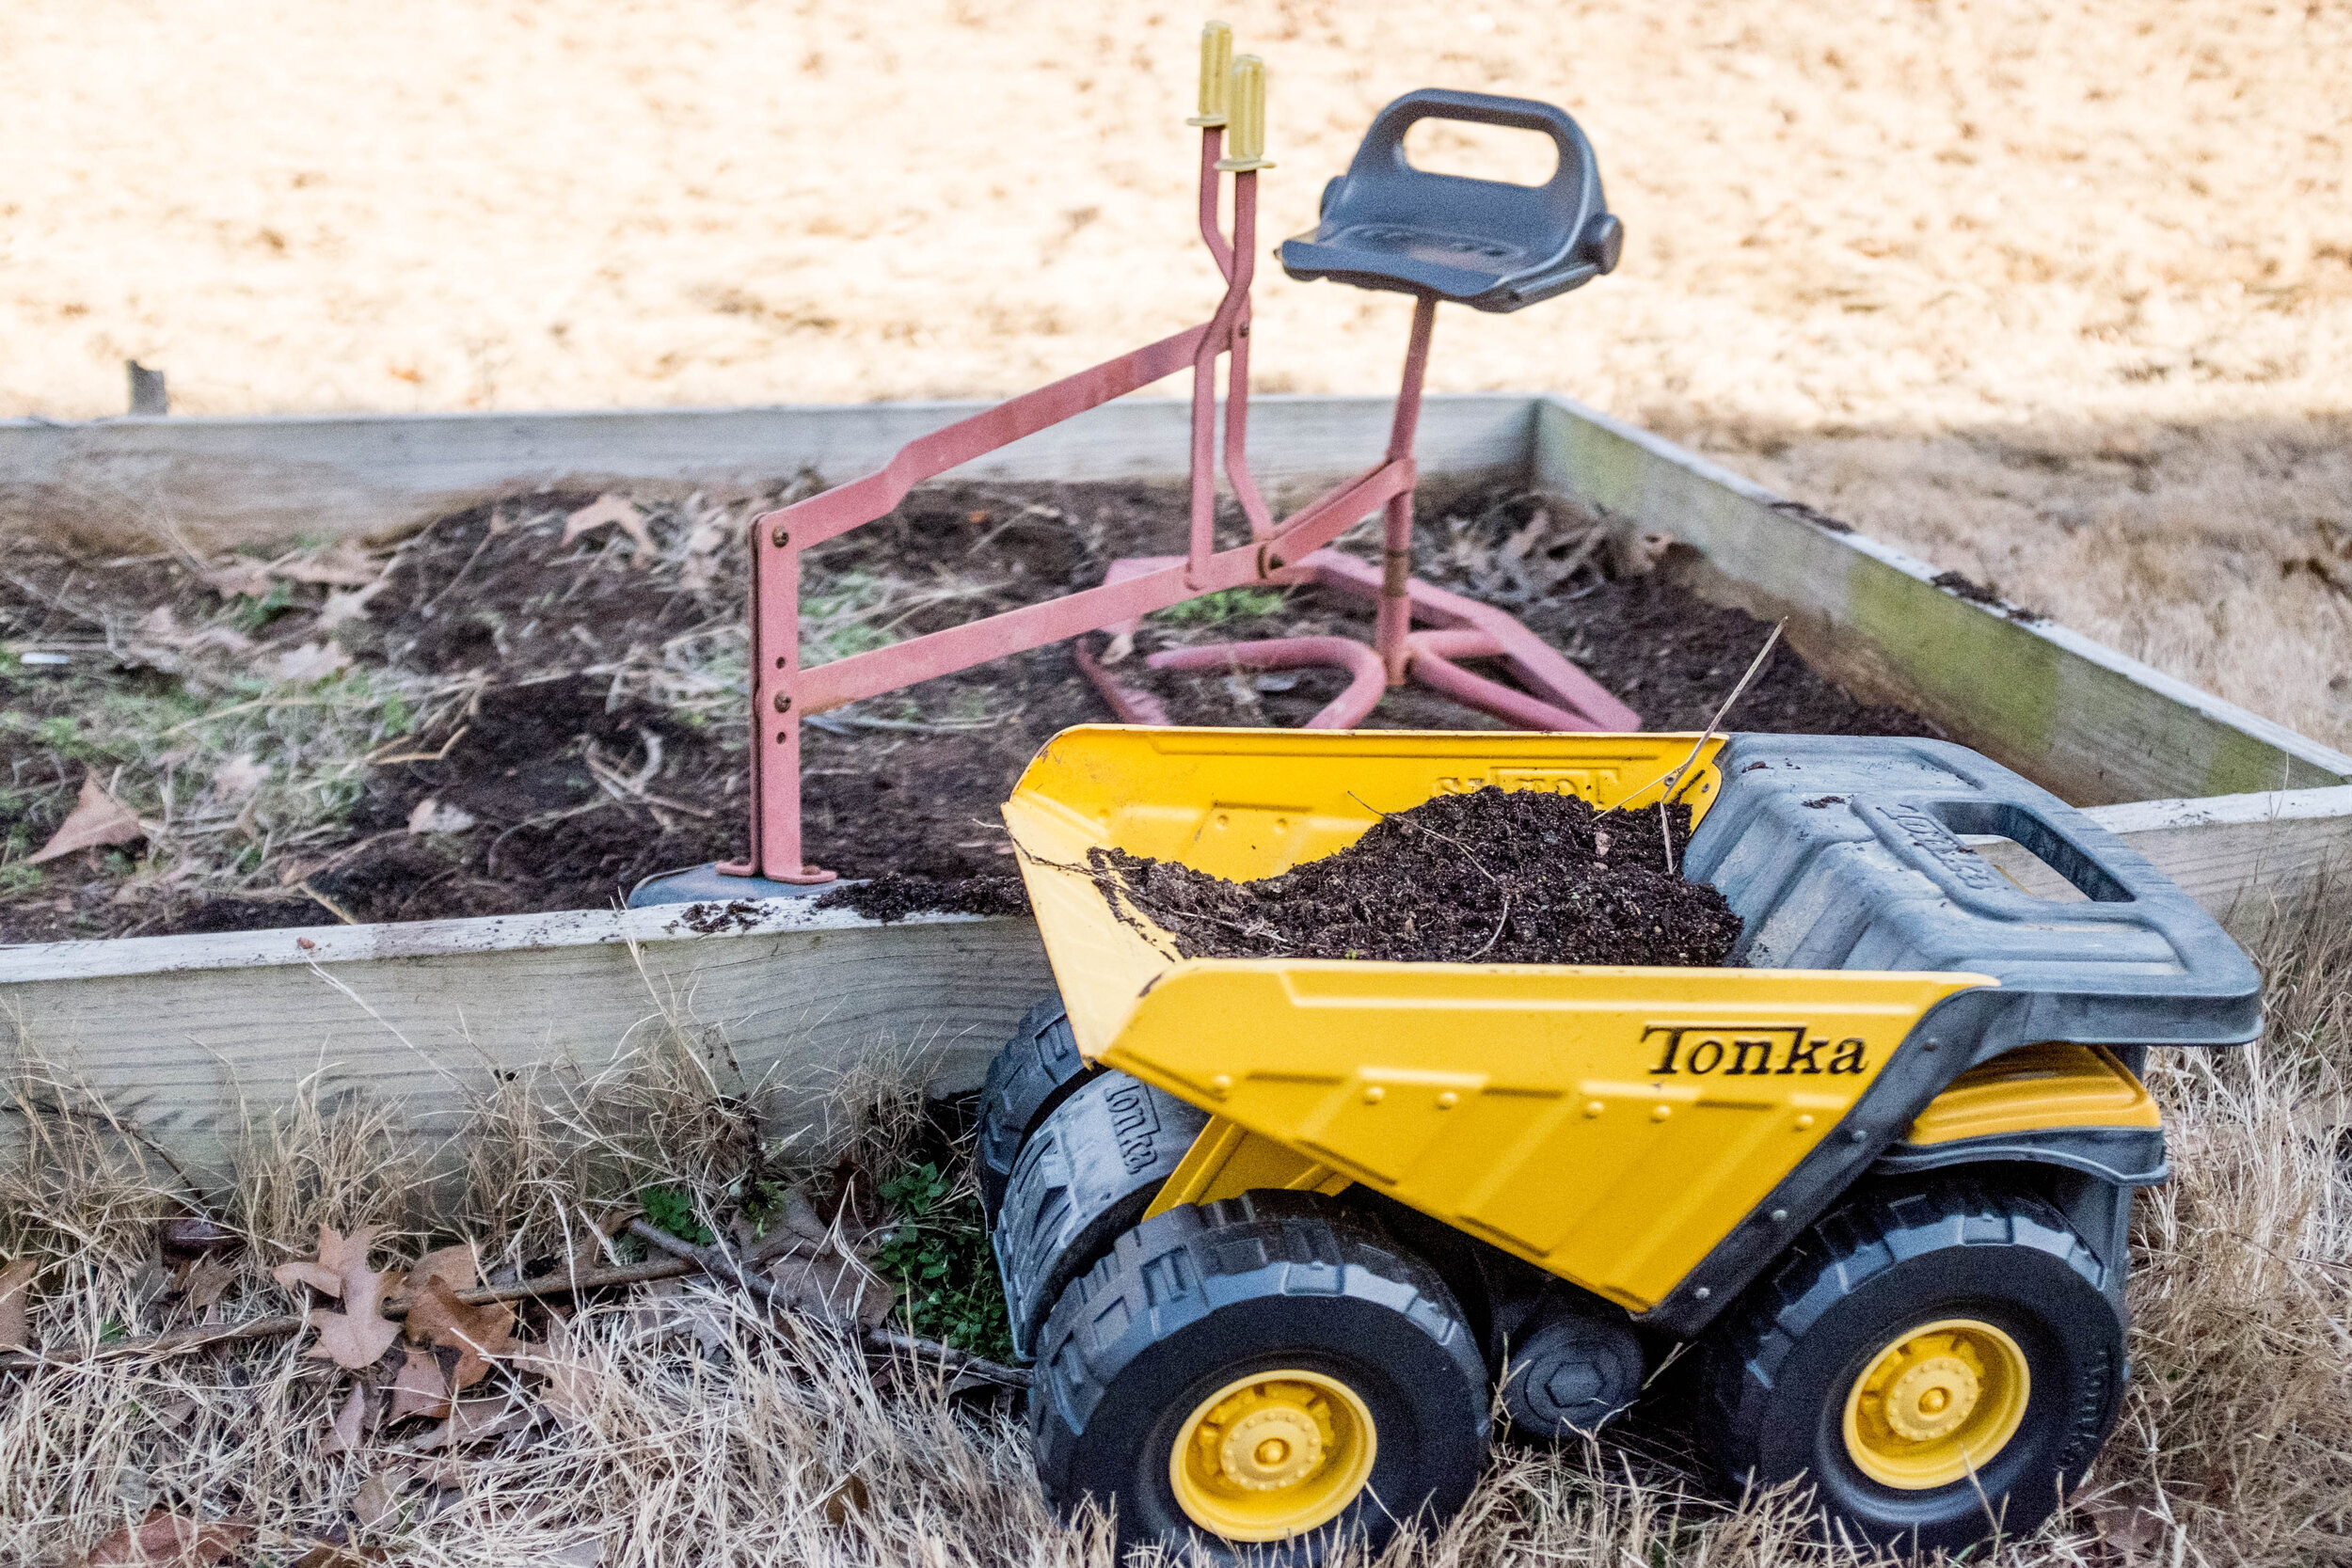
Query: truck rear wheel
<point x="1938" y="1359"/>
<point x="1269" y="1371"/>
<point x="1030" y="1074"/>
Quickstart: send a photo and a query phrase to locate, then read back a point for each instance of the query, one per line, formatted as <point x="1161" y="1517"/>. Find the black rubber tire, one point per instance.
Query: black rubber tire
<point x="1090" y="1169"/>
<point x="1779" y="1367"/>
<point x="1034" y="1072"/>
<point x="1199" y="1296"/>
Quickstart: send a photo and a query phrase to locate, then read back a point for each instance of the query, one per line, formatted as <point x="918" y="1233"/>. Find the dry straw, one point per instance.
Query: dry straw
<point x="699" y="1429"/>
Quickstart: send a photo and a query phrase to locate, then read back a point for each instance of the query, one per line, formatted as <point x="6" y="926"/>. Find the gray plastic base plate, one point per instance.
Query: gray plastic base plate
<point x="703" y="884"/>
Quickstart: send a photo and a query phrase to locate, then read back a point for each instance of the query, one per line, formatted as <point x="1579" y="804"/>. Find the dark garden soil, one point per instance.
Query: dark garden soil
<point x="555" y="717"/>
<point x="1491" y="876"/>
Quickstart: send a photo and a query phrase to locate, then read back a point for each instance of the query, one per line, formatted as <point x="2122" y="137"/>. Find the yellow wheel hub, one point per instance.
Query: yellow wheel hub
<point x="1272" y="1455"/>
<point x="1936" y="1404"/>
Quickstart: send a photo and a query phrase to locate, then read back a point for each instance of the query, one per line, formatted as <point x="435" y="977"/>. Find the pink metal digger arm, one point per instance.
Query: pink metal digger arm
<point x="783" y="693"/>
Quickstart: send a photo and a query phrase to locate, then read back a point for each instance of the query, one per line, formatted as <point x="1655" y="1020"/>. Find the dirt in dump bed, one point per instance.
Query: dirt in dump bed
<point x="1490" y="877"/>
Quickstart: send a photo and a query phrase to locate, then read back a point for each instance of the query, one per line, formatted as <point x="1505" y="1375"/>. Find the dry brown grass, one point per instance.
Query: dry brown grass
<point x="702" y="1433"/>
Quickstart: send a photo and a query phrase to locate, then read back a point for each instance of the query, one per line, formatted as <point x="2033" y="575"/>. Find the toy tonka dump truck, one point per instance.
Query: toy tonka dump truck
<point x="1275" y="1230"/>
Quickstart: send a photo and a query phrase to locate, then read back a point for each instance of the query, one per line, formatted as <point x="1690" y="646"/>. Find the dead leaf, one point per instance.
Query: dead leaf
<point x="430" y="817"/>
<point x="377" y="1501"/>
<point x="201" y="1282"/>
<point x="700" y="568"/>
<point x="2131" y="1522"/>
<point x="338" y="1256"/>
<point x="848" y="1499"/>
<point x="198" y="1233"/>
<point x="455" y="1264"/>
<point x="436" y="1317"/>
<point x="609" y="509"/>
<point x="572" y="1384"/>
<point x="822" y="1269"/>
<point x="15" y="1296"/>
<point x="240" y="775"/>
<point x="341" y="608"/>
<point x="227" y="639"/>
<point x="360" y="1335"/>
<point x="579" y="1553"/>
<point x="341" y="565"/>
<point x="343" y="1435"/>
<point x="325" y="1554"/>
<point x="96" y="819"/>
<point x="313" y="661"/>
<point x="316" y="1275"/>
<point x="478" y="1421"/>
<point x="237" y="577"/>
<point x="163" y="1537"/>
<point x="175" y="1410"/>
<point x="420" y="1389"/>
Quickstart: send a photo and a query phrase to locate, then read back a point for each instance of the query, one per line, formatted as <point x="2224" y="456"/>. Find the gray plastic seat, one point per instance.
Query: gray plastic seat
<point x="1482" y="243"/>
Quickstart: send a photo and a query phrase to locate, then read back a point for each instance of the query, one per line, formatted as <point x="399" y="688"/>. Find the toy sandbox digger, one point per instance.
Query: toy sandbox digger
<point x="1274" y="1229"/>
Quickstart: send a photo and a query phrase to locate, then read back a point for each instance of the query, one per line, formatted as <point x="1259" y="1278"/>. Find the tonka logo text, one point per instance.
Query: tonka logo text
<point x="1778" y="1049"/>
<point x="1134" y="1124"/>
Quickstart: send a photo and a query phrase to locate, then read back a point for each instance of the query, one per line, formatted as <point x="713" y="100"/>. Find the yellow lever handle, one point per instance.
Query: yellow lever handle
<point x="1216" y="65"/>
<point x="1245" y="139"/>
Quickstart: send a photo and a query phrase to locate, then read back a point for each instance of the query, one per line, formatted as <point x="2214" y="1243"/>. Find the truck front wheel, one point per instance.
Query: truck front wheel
<point x="1937" y="1359"/>
<point x="1265" y="1378"/>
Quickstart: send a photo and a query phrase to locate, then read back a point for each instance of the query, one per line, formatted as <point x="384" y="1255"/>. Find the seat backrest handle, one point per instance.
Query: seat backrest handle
<point x="1577" y="178"/>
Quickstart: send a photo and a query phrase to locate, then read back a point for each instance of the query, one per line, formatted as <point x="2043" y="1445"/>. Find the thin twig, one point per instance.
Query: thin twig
<point x="1501" y="892"/>
<point x="721" y="1265"/>
<point x="1672" y="780"/>
<point x="1673" y="776"/>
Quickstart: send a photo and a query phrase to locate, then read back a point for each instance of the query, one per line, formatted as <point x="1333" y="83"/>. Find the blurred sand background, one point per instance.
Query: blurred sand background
<point x="2060" y="295"/>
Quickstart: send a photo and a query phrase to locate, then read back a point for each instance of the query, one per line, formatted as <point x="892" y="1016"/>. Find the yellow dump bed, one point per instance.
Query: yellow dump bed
<point x="1608" y="1124"/>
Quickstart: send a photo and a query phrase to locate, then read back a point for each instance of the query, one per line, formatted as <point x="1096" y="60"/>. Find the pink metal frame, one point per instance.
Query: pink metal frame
<point x="783" y="692"/>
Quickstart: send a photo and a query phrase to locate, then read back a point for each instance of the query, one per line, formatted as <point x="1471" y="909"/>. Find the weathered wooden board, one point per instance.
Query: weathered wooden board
<point x="186" y="1037"/>
<point x="233" y="481"/>
<point x="2072" y="715"/>
<point x="2250" y="859"/>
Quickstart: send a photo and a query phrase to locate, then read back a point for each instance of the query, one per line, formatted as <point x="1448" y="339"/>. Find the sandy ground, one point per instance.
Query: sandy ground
<point x="2060" y="295"/>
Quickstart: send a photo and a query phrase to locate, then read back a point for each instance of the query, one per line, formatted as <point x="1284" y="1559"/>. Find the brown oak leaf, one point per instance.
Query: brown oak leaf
<point x="478" y="1421"/>
<point x="377" y="1501"/>
<point x="455" y="1264"/>
<point x="15" y="1298"/>
<point x="96" y="819"/>
<point x="326" y="1273"/>
<point x="609" y="509"/>
<point x="359" y="1335"/>
<point x="436" y="1317"/>
<point x="325" y="1554"/>
<point x="343" y="1435"/>
<point x="420" y="1389"/>
<point x="572" y="1384"/>
<point x="163" y="1537"/>
<point x="312" y="663"/>
<point x="201" y="1282"/>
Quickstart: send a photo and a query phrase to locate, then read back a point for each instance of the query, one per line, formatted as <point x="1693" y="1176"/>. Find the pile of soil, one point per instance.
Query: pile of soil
<point x="893" y="896"/>
<point x="1491" y="876"/>
<point x="583" y="724"/>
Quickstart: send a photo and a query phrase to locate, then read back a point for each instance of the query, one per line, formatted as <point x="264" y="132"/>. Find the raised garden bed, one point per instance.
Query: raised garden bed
<point x="2248" y="815"/>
